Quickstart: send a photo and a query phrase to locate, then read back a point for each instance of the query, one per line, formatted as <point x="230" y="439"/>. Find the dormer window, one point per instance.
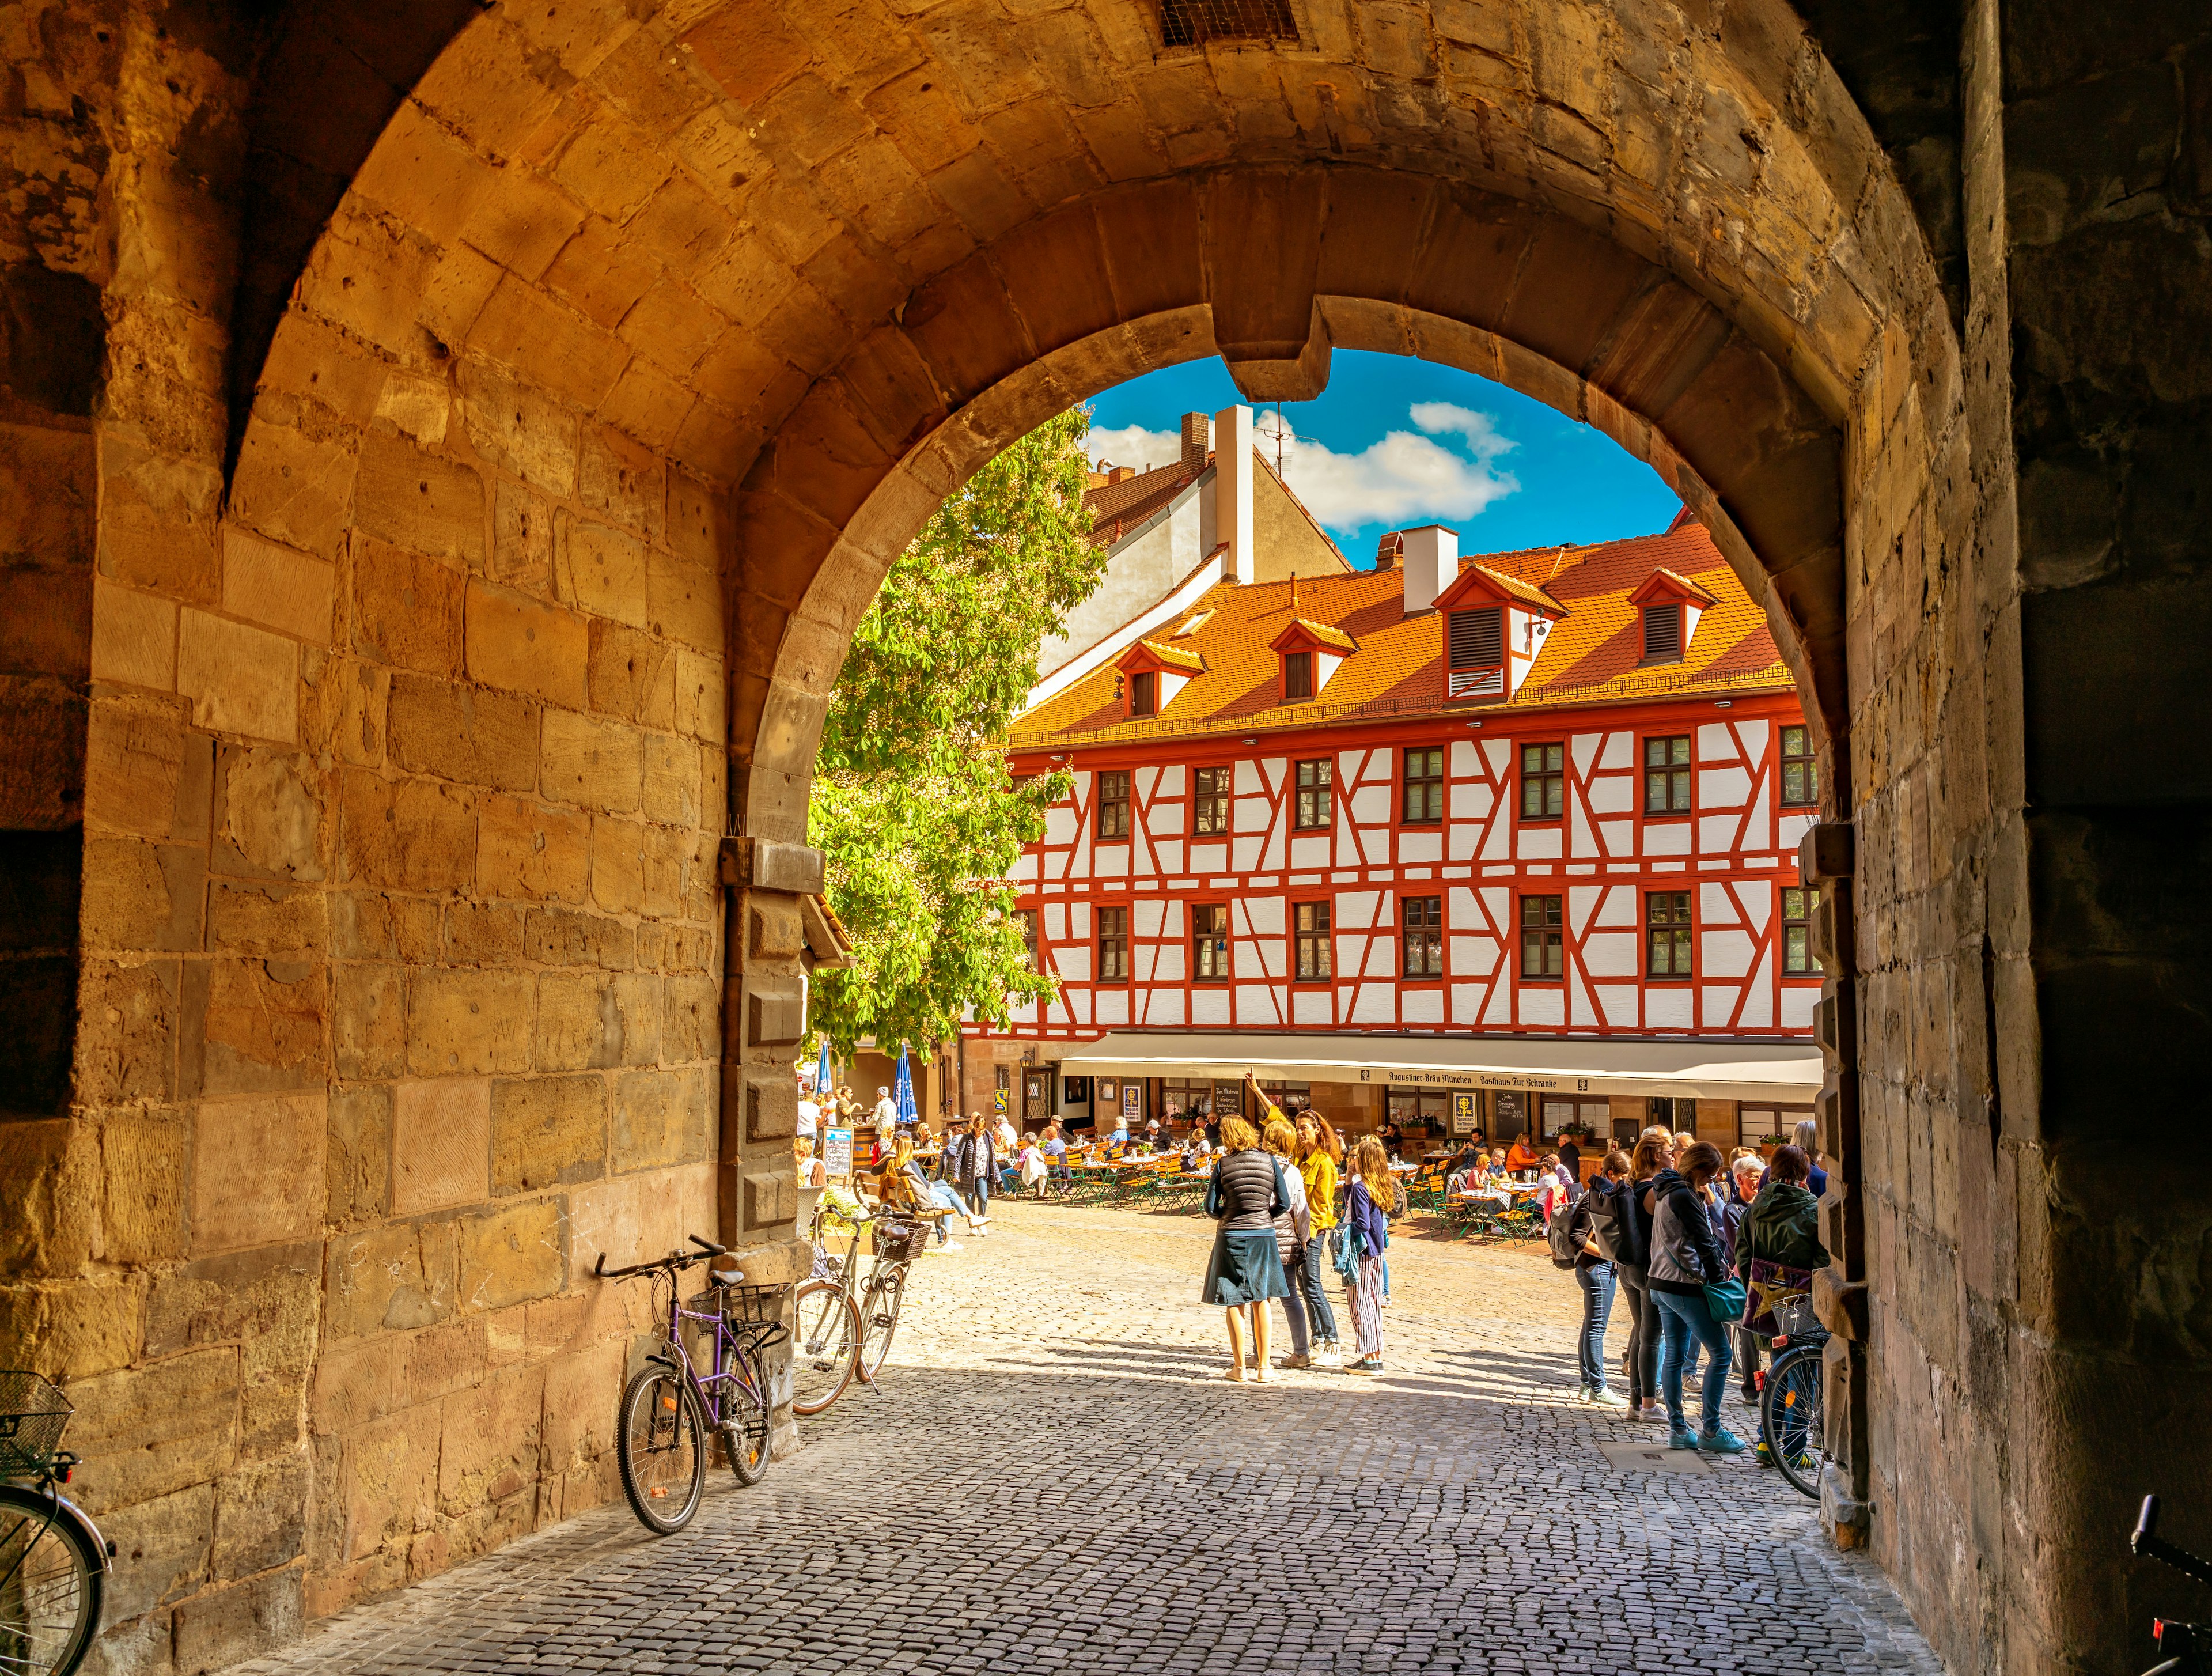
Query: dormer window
<point x="1310" y="652"/>
<point x="1478" y="651"/>
<point x="1670" y="606"/>
<point x="1154" y="672"/>
<point x="1494" y="624"/>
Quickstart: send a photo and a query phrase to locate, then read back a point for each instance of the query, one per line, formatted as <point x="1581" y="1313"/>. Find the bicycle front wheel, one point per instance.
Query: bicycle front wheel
<point x="50" y="1582"/>
<point x="880" y="1319"/>
<point x="1789" y="1418"/>
<point x="660" y="1445"/>
<point x="825" y="1346"/>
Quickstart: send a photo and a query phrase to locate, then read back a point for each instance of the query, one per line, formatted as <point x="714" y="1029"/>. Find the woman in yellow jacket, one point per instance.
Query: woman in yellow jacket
<point x="1319" y="1152"/>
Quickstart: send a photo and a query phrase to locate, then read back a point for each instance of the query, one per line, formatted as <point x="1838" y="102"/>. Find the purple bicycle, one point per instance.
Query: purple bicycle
<point x="670" y="1411"/>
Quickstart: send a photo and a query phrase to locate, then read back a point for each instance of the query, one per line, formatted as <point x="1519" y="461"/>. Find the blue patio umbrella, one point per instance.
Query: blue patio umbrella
<point x="903" y="1094"/>
<point x="821" y="1071"/>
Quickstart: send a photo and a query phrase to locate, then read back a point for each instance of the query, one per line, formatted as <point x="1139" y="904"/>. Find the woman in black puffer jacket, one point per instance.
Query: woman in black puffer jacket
<point x="1685" y="1256"/>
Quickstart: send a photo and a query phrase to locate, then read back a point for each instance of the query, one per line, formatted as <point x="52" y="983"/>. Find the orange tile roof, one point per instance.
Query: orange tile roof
<point x="1175" y="657"/>
<point x="1511" y="586"/>
<point x="1593" y="654"/>
<point x="1324" y="633"/>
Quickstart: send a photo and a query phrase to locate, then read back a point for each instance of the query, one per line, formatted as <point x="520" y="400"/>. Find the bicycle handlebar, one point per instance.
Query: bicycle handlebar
<point x="674" y="1261"/>
<point x="2146" y="1544"/>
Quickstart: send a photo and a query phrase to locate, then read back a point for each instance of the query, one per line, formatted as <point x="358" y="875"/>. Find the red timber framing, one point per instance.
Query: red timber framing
<point x="1617" y="842"/>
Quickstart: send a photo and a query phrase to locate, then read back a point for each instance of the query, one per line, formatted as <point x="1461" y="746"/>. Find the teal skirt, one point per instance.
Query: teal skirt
<point x="1245" y="1268"/>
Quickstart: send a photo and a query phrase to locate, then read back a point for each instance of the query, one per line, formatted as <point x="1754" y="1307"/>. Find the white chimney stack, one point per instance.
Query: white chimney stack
<point x="1431" y="564"/>
<point x="1232" y="490"/>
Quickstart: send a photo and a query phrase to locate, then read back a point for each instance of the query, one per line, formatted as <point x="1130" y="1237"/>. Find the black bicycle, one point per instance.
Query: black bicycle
<point x="2185" y="1648"/>
<point x="669" y="1410"/>
<point x="1790" y="1408"/>
<point x="53" y="1560"/>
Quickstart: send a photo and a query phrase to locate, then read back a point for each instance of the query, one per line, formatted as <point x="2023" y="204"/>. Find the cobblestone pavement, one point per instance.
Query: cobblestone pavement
<point x="1054" y="1475"/>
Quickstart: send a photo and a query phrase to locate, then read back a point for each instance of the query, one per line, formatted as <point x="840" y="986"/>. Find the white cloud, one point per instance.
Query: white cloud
<point x="1479" y="429"/>
<point x="1133" y="445"/>
<point x="1404" y="479"/>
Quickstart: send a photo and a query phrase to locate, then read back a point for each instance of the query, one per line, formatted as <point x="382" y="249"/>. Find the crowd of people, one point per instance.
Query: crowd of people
<point x="1700" y="1247"/>
<point x="1697" y="1246"/>
<point x="1293" y="1205"/>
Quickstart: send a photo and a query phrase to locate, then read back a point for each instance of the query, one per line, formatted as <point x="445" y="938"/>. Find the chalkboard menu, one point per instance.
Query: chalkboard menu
<point x="1512" y="1114"/>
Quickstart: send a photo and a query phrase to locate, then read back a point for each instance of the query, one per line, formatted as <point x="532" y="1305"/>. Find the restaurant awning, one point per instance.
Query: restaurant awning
<point x="1784" y="1073"/>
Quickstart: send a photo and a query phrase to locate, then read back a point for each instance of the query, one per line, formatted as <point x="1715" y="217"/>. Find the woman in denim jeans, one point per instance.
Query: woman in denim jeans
<point x="1594" y="1272"/>
<point x="1685" y="1256"/>
<point x="1318" y="1152"/>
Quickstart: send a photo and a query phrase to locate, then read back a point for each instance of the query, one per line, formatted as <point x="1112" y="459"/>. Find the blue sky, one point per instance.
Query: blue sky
<point x="1394" y="442"/>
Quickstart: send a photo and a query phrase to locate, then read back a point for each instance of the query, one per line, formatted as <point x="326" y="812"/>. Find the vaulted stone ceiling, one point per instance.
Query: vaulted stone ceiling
<point x="784" y="246"/>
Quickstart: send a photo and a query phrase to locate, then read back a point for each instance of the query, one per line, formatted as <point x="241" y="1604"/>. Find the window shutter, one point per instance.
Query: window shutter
<point x="1663" y="632"/>
<point x="1478" y="637"/>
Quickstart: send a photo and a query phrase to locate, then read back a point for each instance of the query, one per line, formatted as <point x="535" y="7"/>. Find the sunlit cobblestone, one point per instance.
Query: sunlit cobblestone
<point x="1054" y="1475"/>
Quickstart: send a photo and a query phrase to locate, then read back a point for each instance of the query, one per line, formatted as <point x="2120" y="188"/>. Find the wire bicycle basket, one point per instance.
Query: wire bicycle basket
<point x="900" y="1242"/>
<point x="755" y="1311"/>
<point x="32" y="1414"/>
<point x="1796" y="1321"/>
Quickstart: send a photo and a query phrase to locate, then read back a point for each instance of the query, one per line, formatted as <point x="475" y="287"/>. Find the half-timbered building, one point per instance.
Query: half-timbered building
<point x="1502" y="842"/>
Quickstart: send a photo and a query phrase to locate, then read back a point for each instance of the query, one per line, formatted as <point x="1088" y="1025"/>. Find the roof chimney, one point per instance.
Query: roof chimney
<point x="1432" y="554"/>
<point x="1232" y="490"/>
<point x="1387" y="550"/>
<point x="1197" y="433"/>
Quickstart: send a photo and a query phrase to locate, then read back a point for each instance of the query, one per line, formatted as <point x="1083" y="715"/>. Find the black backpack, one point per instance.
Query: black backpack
<point x="1560" y="1235"/>
<point x="1611" y="1221"/>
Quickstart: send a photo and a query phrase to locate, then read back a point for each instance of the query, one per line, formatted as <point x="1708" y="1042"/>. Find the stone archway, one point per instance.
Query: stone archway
<point x="634" y="348"/>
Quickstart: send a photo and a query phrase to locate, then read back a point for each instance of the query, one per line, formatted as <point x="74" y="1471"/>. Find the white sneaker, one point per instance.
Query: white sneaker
<point x="1329" y="1357"/>
<point x="949" y="1244"/>
<point x="1605" y="1399"/>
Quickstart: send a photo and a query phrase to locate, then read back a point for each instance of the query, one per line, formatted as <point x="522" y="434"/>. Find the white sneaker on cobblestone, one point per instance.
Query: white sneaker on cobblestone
<point x="1329" y="1357"/>
<point x="1606" y="1400"/>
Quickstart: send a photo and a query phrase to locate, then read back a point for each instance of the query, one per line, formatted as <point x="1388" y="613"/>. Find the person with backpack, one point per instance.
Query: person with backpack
<point x="1653" y="1153"/>
<point x="1245" y="1272"/>
<point x="1585" y="1237"/>
<point x="1691" y="1283"/>
<point x="1778" y="1245"/>
<point x="1293" y="1230"/>
<point x="1365" y="1230"/>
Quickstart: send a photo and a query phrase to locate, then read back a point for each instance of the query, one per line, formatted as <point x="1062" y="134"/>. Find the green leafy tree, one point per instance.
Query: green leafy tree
<point x="919" y="819"/>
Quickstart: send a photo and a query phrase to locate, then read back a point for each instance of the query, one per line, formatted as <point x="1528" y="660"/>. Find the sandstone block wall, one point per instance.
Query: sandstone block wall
<point x="403" y="958"/>
<point x="393" y="921"/>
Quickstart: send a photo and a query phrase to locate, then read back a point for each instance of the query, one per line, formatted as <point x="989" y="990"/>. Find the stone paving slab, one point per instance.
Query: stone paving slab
<point x="1054" y="1475"/>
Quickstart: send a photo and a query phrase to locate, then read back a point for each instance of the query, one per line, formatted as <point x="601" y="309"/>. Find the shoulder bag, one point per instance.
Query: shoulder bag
<point x="1286" y="1232"/>
<point x="1346" y="1245"/>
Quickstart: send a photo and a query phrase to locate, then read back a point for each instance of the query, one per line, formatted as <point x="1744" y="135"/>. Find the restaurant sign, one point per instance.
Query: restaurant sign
<point x="1408" y="1078"/>
<point x="837" y="1152"/>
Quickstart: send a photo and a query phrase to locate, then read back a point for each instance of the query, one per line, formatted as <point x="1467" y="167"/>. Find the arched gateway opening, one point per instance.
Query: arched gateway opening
<point x="479" y="725"/>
